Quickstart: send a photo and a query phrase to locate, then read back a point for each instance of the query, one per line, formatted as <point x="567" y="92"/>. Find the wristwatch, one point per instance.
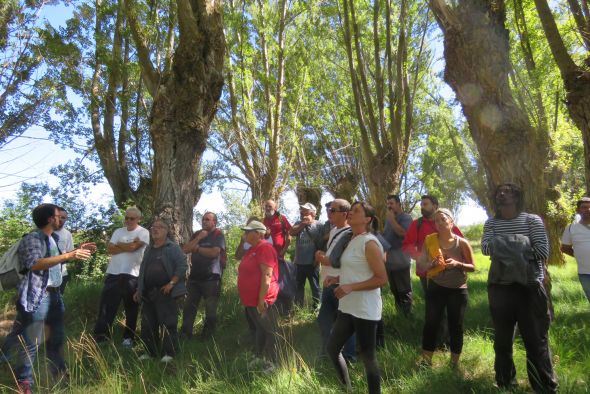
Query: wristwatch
<point x="172" y="283"/>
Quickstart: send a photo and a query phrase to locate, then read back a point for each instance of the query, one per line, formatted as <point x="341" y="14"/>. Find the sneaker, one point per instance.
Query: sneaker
<point x="144" y="357"/>
<point x="127" y="343"/>
<point x="166" y="359"/>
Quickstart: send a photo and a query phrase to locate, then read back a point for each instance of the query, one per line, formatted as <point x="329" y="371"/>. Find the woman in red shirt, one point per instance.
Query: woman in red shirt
<point x="258" y="287"/>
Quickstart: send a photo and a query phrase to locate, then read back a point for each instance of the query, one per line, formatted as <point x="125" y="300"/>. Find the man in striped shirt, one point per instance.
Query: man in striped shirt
<point x="516" y="303"/>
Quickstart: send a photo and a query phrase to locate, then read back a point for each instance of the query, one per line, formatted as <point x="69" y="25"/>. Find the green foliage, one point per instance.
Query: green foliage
<point x="473" y="233"/>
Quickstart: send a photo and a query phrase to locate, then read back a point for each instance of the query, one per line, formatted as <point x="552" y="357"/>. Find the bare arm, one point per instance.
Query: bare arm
<point x="265" y="279"/>
<point x="124" y="247"/>
<point x="467" y="265"/>
<point x="376" y="263"/>
<point x="397" y="228"/>
<point x="567" y="249"/>
<point x="48" y="262"/>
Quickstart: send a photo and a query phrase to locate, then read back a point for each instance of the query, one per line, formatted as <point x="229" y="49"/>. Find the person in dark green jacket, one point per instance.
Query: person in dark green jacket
<point x="161" y="287"/>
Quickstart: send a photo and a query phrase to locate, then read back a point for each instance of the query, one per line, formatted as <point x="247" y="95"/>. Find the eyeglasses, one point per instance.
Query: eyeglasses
<point x="130" y="218"/>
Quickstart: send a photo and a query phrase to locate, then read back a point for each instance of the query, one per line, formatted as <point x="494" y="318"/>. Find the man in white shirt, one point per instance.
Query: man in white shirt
<point x="126" y="248"/>
<point x="65" y="244"/>
<point x="575" y="242"/>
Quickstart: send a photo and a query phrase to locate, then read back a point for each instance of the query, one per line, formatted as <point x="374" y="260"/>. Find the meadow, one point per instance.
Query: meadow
<point x="220" y="365"/>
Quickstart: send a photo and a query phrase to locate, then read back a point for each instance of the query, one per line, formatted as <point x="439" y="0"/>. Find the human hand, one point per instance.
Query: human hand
<point x="452" y="263"/>
<point x="331" y="280"/>
<point x="136" y="296"/>
<point x="90" y="246"/>
<point x="80" y="254"/>
<point x="342" y="291"/>
<point x="167" y="288"/>
<point x="202" y="234"/>
<point x="262" y="307"/>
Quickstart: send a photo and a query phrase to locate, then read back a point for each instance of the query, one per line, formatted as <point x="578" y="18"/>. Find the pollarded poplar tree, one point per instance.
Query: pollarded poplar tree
<point x="575" y="75"/>
<point x="156" y="67"/>
<point x="386" y="58"/>
<point x="266" y="71"/>
<point x="477" y="55"/>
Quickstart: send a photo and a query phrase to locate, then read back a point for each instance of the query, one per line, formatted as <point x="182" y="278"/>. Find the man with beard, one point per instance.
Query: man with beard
<point x="412" y="246"/>
<point x="575" y="242"/>
<point x="39" y="302"/>
<point x="277" y="227"/>
<point x="517" y="243"/>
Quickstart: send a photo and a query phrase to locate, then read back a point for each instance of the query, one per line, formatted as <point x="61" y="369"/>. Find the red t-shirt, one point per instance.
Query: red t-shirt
<point x="279" y="227"/>
<point x="414" y="239"/>
<point x="249" y="274"/>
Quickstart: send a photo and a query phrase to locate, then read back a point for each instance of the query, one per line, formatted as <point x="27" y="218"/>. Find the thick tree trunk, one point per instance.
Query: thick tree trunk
<point x="476" y="50"/>
<point x="183" y="109"/>
<point x="384" y="178"/>
<point x="313" y="195"/>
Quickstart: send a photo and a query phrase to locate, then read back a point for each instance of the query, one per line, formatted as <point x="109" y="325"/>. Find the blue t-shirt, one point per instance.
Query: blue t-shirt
<point x="307" y="243"/>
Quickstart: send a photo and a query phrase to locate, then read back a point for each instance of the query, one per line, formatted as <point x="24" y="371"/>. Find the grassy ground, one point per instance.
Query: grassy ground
<point x="220" y="365"/>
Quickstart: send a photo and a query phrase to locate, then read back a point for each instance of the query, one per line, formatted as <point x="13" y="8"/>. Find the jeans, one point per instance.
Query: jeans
<point x="29" y="330"/>
<point x="209" y="290"/>
<point x="585" y="282"/>
<point x="159" y="310"/>
<point x="311" y="273"/>
<point x="400" y="283"/>
<point x="438" y="299"/>
<point x="527" y="306"/>
<point x="366" y="333"/>
<point x="117" y="288"/>
<point x="326" y="318"/>
<point x="267" y="328"/>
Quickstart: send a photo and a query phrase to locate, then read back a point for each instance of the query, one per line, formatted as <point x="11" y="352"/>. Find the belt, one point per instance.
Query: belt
<point x="52" y="289"/>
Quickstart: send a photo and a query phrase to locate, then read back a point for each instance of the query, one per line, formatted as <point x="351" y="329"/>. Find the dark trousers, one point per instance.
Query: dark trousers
<point x="209" y="290"/>
<point x="527" y="306"/>
<point x="439" y="299"/>
<point x="64" y="283"/>
<point x="310" y="273"/>
<point x="266" y="329"/>
<point x="326" y="318"/>
<point x="366" y="333"/>
<point x="159" y="312"/>
<point x="117" y="288"/>
<point x="442" y="332"/>
<point x="400" y="283"/>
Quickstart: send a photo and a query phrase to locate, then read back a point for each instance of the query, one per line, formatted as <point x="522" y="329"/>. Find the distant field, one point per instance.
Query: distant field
<point x="220" y="365"/>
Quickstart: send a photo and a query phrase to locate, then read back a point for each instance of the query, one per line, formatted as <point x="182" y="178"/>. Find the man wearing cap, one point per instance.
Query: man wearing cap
<point x="126" y="248"/>
<point x="575" y="242"/>
<point x="309" y="233"/>
<point x="277" y="228"/>
<point x="258" y="288"/>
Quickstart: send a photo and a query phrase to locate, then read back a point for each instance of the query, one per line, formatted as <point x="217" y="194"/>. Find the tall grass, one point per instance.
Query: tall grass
<point x="220" y="365"/>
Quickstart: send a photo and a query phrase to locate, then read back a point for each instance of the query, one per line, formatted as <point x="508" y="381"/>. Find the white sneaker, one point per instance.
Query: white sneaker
<point x="166" y="359"/>
<point x="127" y="342"/>
<point x="144" y="357"/>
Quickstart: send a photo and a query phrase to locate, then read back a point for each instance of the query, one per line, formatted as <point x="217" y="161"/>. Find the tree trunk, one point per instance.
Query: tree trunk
<point x="310" y="194"/>
<point x="183" y="110"/>
<point x="476" y="50"/>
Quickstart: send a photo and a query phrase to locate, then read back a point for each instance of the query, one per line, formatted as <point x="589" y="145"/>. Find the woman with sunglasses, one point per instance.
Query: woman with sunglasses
<point x="362" y="274"/>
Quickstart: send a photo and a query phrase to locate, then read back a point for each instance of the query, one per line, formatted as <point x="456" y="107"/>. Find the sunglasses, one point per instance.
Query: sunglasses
<point x="337" y="210"/>
<point x="130" y="218"/>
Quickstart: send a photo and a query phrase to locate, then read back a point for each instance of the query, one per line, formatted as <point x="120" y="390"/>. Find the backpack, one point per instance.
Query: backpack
<point x="11" y="271"/>
<point x="287" y="279"/>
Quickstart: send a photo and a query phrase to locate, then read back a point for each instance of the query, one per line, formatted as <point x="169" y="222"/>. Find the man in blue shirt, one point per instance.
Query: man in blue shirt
<point x="397" y="263"/>
<point x="39" y="301"/>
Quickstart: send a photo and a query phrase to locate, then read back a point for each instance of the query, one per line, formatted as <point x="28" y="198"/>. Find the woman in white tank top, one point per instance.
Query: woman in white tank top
<point x="362" y="274"/>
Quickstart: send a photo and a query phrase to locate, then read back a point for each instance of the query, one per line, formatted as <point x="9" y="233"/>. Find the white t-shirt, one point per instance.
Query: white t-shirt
<point x="128" y="262"/>
<point x="326" y="269"/>
<point x="66" y="244"/>
<point x="364" y="304"/>
<point x="55" y="271"/>
<point x="578" y="235"/>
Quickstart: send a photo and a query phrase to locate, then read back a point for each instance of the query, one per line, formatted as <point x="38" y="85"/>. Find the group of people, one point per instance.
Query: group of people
<point x="346" y="262"/>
